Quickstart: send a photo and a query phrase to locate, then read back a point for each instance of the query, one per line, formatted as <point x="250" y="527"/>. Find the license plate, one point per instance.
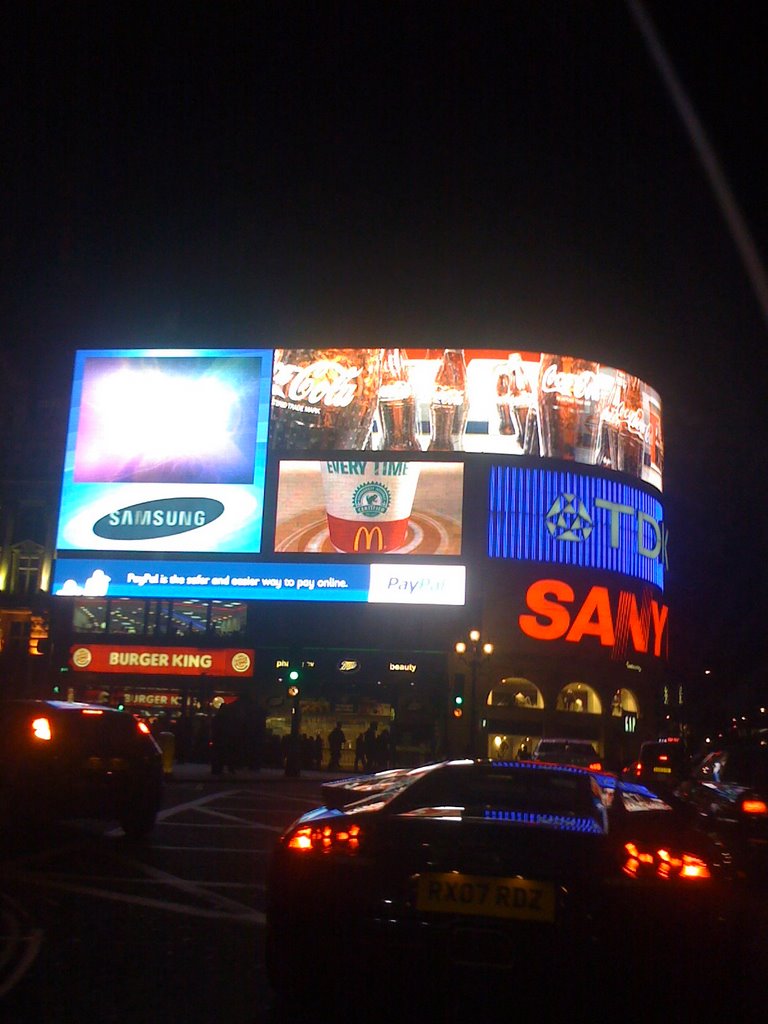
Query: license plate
<point x="517" y="898"/>
<point x="663" y="771"/>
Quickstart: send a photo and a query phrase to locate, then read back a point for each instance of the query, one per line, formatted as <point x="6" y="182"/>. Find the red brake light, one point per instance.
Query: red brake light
<point x="663" y="757"/>
<point x="92" y="711"/>
<point x="325" y="839"/>
<point x="663" y="863"/>
<point x="143" y="727"/>
<point x="596" y="766"/>
<point x="41" y="729"/>
<point x="754" y="806"/>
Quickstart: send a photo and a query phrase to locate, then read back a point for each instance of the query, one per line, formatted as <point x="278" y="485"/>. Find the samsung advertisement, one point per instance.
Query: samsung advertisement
<point x="339" y="474"/>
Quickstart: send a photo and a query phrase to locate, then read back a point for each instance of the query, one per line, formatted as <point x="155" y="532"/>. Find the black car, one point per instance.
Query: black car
<point x="727" y="794"/>
<point x="62" y="760"/>
<point x="504" y="866"/>
<point x="662" y="764"/>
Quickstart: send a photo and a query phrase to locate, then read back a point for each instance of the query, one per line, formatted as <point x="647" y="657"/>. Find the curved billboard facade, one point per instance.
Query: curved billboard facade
<point x="340" y="474"/>
<point x="229" y="495"/>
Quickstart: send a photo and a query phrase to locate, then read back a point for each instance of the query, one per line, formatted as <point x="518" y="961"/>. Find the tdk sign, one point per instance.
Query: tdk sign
<point x="573" y="519"/>
<point x="163" y="517"/>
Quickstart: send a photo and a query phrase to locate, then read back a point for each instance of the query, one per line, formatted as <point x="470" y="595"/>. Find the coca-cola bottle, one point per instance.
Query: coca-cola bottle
<point x="632" y="435"/>
<point x="397" y="404"/>
<point x="324" y="399"/>
<point x="509" y="424"/>
<point x="570" y="401"/>
<point x="523" y="401"/>
<point x="448" y="407"/>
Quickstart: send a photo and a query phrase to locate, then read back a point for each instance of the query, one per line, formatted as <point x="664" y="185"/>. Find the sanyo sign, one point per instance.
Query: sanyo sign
<point x="573" y="519"/>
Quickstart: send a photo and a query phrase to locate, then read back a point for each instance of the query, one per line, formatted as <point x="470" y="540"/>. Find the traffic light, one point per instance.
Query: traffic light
<point x="294" y="678"/>
<point x="457" y="700"/>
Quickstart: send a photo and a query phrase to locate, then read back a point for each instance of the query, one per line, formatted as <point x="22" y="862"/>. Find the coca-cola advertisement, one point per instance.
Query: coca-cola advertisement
<point x="514" y="402"/>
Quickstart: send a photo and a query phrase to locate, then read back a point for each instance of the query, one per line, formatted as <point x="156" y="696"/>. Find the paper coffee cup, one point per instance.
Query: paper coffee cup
<point x="368" y="504"/>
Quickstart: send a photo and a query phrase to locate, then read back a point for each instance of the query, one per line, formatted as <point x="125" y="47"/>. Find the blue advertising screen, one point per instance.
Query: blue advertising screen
<point x="574" y="519"/>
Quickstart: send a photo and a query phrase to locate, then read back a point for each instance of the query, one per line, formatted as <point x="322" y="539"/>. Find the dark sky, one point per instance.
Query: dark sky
<point x="415" y="173"/>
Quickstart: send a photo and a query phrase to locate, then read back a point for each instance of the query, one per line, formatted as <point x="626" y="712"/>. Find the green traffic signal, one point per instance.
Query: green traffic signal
<point x="458" y="700"/>
<point x="293" y="675"/>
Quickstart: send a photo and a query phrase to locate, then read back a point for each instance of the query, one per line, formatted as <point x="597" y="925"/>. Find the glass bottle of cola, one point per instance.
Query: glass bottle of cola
<point x="509" y="425"/>
<point x="397" y="404"/>
<point x="633" y="428"/>
<point x="324" y="399"/>
<point x="448" y="408"/>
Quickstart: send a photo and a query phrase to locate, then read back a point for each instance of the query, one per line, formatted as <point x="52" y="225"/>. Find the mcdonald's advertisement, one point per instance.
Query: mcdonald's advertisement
<point x="378" y="506"/>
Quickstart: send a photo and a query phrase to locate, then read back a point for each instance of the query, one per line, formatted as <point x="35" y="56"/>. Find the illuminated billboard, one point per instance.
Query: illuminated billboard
<point x="166" y="451"/>
<point x="469" y="400"/>
<point x="570" y="518"/>
<point x="363" y="505"/>
<point x="339" y="475"/>
<point x="371" y="582"/>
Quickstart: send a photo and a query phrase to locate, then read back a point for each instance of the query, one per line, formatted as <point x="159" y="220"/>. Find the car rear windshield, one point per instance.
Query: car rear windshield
<point x="476" y="790"/>
<point x="105" y="733"/>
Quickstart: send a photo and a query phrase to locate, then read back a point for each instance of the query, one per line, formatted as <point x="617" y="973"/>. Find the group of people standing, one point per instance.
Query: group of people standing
<point x="372" y="749"/>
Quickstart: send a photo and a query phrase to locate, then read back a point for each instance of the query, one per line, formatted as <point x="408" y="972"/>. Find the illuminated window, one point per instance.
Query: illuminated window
<point x="89" y="616"/>
<point x="515" y="692"/>
<point x="127" y="617"/>
<point x="579" y="698"/>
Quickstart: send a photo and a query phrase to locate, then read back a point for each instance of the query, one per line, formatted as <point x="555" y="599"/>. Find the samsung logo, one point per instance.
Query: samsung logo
<point x="164" y="517"/>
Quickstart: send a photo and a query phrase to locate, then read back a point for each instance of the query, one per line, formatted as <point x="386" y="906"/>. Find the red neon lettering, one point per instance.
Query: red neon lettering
<point x="594" y="618"/>
<point x="659" y="625"/>
<point x="558" y="618"/>
<point x="550" y="620"/>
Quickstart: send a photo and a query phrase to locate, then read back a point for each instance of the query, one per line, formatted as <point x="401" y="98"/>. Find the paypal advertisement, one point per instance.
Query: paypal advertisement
<point x="376" y="583"/>
<point x="166" y="451"/>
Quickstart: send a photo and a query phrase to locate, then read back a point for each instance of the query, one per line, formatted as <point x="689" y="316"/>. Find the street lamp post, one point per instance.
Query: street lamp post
<point x="474" y="653"/>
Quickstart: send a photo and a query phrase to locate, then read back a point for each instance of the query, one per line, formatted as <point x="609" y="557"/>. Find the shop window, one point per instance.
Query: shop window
<point x="189" y="618"/>
<point x="515" y="692"/>
<point x="579" y="698"/>
<point x="89" y="616"/>
<point x="127" y="617"/>
<point x="228" y="618"/>
<point x="623" y="701"/>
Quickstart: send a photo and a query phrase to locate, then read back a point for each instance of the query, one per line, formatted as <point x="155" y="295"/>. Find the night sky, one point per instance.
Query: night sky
<point x="424" y="174"/>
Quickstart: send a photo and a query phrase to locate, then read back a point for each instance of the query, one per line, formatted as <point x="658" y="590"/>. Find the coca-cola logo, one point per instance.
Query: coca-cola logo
<point x="323" y="382"/>
<point x="584" y="385"/>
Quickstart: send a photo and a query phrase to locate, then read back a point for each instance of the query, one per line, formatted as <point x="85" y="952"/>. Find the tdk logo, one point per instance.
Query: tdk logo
<point x="163" y="517"/>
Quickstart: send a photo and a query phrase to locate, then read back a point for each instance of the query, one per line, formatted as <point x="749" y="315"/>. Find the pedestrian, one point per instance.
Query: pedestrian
<point x="336" y="741"/>
<point x="360" y="752"/>
<point x="370" y="747"/>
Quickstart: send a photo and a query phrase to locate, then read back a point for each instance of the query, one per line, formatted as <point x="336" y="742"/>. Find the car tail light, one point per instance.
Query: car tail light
<point x="325" y="839"/>
<point x="41" y="729"/>
<point x="663" y="863"/>
<point x="91" y="711"/>
<point x="143" y="727"/>
<point x="596" y="766"/>
<point x="752" y="805"/>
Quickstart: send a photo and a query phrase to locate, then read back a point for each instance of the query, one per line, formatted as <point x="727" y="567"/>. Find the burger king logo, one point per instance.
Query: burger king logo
<point x="81" y="658"/>
<point x="241" y="662"/>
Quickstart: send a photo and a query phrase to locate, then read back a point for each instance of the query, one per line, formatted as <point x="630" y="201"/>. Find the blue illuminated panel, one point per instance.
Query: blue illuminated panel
<point x="572" y="519"/>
